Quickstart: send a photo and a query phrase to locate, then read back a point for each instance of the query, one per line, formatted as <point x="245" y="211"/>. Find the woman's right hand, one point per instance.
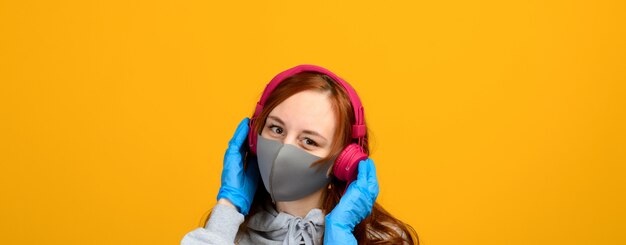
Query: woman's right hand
<point x="239" y="186"/>
<point x="354" y="206"/>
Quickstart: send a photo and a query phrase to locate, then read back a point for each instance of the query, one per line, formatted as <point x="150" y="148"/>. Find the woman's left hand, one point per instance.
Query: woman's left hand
<point x="355" y="205"/>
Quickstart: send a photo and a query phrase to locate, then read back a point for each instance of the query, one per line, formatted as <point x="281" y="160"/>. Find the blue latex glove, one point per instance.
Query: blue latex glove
<point x="238" y="186"/>
<point x="353" y="207"/>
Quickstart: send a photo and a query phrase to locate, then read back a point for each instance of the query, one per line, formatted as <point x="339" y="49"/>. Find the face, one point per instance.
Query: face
<point x="305" y="120"/>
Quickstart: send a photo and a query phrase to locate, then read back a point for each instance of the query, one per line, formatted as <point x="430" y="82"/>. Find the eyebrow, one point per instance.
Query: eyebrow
<point x="311" y="132"/>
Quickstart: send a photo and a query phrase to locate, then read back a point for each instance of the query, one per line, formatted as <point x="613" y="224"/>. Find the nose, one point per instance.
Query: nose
<point x="290" y="140"/>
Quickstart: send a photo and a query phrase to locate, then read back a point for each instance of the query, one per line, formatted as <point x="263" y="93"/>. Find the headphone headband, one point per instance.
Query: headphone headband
<point x="358" y="129"/>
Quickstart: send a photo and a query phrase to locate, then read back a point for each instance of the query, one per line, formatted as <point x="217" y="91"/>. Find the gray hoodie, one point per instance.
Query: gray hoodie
<point x="266" y="226"/>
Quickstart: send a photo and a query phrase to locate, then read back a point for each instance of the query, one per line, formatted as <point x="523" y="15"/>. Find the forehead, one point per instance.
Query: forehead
<point x="307" y="110"/>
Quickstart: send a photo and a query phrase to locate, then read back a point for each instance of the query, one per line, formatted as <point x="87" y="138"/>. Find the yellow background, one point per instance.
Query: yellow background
<point x="493" y="122"/>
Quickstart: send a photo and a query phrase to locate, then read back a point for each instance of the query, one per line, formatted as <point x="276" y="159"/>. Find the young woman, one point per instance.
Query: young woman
<point x="308" y="143"/>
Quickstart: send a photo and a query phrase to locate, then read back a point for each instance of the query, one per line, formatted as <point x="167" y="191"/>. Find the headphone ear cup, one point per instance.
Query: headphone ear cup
<point x="346" y="165"/>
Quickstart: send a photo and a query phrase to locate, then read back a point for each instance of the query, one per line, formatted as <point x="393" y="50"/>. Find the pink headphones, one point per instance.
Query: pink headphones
<point x="345" y="167"/>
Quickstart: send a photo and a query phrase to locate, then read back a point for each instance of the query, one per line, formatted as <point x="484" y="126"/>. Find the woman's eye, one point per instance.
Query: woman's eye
<point x="276" y="129"/>
<point x="310" y="142"/>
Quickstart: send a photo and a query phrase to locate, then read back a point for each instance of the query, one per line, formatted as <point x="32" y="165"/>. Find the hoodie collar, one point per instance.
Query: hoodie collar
<point x="291" y="229"/>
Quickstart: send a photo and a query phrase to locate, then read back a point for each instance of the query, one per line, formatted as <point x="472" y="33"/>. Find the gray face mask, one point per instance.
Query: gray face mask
<point x="285" y="170"/>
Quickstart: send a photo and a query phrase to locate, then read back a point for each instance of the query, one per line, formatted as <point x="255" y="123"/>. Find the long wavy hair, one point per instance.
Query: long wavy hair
<point x="380" y="227"/>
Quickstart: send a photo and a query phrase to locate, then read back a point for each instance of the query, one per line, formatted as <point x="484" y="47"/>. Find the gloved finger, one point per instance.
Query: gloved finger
<point x="233" y="165"/>
<point x="240" y="135"/>
<point x="367" y="171"/>
<point x="373" y="179"/>
<point x="359" y="187"/>
<point x="362" y="173"/>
